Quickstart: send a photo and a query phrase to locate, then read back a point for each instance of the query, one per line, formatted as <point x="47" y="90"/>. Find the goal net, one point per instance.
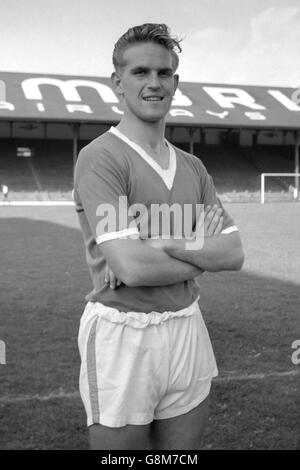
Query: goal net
<point x="279" y="187"/>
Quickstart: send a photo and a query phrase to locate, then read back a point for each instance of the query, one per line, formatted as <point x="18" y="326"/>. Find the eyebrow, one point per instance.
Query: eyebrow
<point x="146" y="69"/>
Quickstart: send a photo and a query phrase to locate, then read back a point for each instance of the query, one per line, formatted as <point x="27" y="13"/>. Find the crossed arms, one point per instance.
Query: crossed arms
<point x="164" y="262"/>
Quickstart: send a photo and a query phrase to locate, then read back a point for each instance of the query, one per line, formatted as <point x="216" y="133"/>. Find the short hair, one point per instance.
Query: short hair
<point x="147" y="32"/>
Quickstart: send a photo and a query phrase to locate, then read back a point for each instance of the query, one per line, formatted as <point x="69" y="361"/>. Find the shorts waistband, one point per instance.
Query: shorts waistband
<point x="138" y="319"/>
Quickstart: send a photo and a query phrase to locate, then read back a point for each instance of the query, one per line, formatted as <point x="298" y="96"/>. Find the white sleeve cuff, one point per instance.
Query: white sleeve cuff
<point x="232" y="228"/>
<point x="127" y="232"/>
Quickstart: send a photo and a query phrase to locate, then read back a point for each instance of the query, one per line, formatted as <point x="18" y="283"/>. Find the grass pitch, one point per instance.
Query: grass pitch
<point x="252" y="317"/>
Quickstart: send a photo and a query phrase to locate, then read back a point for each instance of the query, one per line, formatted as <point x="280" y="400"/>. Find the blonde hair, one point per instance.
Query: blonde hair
<point x="148" y="32"/>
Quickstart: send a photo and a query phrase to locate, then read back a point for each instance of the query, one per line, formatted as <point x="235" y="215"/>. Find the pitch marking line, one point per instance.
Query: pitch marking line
<point x="70" y="395"/>
<point x="232" y="378"/>
<point x="37" y="203"/>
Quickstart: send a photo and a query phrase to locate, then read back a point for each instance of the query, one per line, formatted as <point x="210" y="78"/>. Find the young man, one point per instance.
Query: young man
<point x="147" y="361"/>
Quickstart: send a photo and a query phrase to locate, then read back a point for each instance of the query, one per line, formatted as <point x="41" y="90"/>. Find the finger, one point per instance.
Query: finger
<point x="106" y="275"/>
<point x="219" y="227"/>
<point x="119" y="282"/>
<point x="215" y="220"/>
<point x="200" y="222"/>
<point x="113" y="280"/>
<point x="210" y="212"/>
<point x="208" y="217"/>
<point x="204" y="216"/>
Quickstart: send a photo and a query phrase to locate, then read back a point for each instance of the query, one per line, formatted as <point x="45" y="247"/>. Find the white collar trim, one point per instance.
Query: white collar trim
<point x="167" y="174"/>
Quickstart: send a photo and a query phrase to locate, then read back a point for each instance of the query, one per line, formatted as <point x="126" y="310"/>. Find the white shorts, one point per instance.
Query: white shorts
<point x="137" y="367"/>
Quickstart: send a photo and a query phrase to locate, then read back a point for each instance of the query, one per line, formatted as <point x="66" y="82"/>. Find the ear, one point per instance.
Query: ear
<point x="116" y="81"/>
<point x="176" y="81"/>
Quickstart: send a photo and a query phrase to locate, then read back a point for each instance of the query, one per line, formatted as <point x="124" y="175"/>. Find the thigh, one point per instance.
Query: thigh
<point x="128" y="437"/>
<point x="122" y="371"/>
<point x="182" y="432"/>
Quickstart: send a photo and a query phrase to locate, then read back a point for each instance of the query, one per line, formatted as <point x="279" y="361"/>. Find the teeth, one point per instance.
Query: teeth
<point x="153" y="98"/>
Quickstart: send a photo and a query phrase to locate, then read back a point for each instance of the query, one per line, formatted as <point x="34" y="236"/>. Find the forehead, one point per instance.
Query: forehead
<point x="149" y="55"/>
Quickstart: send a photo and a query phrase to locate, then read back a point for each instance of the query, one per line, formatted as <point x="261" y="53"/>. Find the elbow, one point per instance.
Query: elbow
<point x="238" y="256"/>
<point x="233" y="262"/>
<point x="239" y="259"/>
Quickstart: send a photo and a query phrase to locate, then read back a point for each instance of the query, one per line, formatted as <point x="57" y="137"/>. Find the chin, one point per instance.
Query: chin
<point x="153" y="117"/>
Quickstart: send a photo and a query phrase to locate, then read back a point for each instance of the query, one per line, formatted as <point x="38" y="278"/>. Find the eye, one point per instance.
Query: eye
<point x="165" y="73"/>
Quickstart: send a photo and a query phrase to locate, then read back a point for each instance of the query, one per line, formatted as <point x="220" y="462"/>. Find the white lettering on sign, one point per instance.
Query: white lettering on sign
<point x="180" y="99"/>
<point x="6" y="105"/>
<point x="40" y="107"/>
<point x="255" y="116"/>
<point x="296" y="96"/>
<point x="117" y="110"/>
<point x="219" y="115"/>
<point x="289" y="104"/>
<point x="83" y="108"/>
<point x="181" y="112"/>
<point x="239" y="97"/>
<point x="225" y="97"/>
<point x="31" y="88"/>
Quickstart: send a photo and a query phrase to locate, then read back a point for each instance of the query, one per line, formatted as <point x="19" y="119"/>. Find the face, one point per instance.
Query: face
<point x="147" y="82"/>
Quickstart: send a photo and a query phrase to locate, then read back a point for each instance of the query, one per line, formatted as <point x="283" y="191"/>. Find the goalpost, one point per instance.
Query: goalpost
<point x="295" y="188"/>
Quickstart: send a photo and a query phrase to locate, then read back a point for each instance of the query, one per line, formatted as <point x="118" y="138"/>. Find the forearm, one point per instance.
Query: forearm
<point x="219" y="253"/>
<point x="154" y="267"/>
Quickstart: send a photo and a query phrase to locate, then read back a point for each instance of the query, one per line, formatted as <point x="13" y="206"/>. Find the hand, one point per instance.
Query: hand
<point x="213" y="220"/>
<point x="169" y="243"/>
<point x="110" y="278"/>
<point x="157" y="243"/>
<point x="213" y="224"/>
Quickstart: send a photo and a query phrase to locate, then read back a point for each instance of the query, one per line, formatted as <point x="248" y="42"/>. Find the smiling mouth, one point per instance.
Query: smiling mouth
<point x="153" y="98"/>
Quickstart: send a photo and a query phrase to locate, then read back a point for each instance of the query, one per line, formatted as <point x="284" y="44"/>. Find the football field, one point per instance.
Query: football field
<point x="253" y="317"/>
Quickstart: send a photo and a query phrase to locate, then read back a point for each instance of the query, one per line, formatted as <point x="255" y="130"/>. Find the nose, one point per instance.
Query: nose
<point x="154" y="82"/>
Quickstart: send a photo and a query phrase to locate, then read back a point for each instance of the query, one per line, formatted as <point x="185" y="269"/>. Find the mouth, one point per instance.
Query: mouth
<point x="153" y="98"/>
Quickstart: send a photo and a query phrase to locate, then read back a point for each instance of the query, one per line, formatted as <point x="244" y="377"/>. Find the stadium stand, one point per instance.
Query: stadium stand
<point x="236" y="170"/>
<point x="48" y="174"/>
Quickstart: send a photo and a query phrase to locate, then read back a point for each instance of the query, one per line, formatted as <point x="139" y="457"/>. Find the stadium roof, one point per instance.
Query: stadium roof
<point x="44" y="97"/>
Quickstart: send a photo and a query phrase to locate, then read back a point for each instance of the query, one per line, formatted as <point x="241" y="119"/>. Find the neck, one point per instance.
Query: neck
<point x="144" y="133"/>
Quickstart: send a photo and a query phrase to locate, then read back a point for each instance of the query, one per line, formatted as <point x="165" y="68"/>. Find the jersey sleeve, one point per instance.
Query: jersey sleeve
<point x="209" y="197"/>
<point x="101" y="191"/>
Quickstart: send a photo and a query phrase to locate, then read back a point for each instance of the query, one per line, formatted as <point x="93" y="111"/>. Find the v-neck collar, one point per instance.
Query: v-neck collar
<point x="167" y="174"/>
